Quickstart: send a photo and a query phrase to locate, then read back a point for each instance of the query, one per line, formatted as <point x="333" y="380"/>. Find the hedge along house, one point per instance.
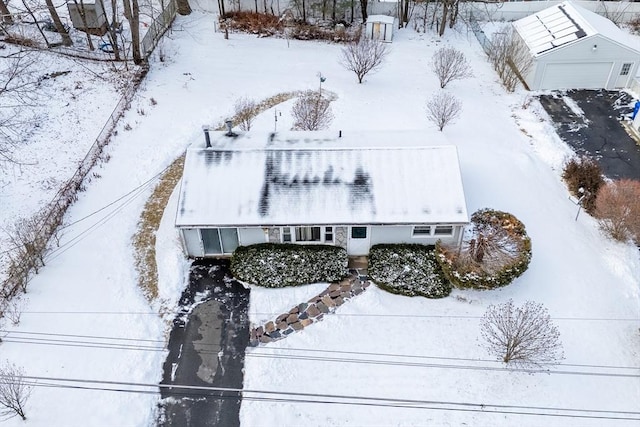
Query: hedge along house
<point x="574" y="48"/>
<point x="318" y="188"/>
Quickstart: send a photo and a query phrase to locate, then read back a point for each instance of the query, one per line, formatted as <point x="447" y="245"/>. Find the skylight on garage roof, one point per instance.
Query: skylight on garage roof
<point x="552" y="27"/>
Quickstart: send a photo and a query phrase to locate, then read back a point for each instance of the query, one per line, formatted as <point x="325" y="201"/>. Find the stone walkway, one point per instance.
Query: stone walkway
<point x="306" y="313"/>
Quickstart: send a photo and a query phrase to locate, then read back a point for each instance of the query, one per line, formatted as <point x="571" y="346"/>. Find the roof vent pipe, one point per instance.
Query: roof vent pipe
<point x="339" y="134"/>
<point x="229" y="124"/>
<point x="206" y="136"/>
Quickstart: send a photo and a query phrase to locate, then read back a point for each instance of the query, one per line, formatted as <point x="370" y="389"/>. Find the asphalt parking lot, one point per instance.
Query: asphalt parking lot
<point x="589" y="121"/>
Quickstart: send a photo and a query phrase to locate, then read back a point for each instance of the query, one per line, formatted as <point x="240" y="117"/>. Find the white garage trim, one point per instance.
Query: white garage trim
<point x="587" y="75"/>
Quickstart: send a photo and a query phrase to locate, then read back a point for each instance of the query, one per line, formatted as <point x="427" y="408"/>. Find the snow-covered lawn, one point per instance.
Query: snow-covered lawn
<point x="510" y="160"/>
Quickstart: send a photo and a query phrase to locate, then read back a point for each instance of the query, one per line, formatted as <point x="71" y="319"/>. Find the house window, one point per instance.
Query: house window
<point x="286" y="234"/>
<point x="421" y="230"/>
<point x="625" y="69"/>
<point x="307" y="234"/>
<point x="443" y="230"/>
<point x="358" y="232"/>
<point x="328" y="234"/>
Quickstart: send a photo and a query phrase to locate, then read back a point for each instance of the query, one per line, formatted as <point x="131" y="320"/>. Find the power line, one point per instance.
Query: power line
<point x="337" y="315"/>
<point x="411" y="356"/>
<point x="116" y="200"/>
<point x="320" y="398"/>
<point x="64" y="226"/>
<point x="78" y="238"/>
<point x="148" y="345"/>
<point x="440" y="365"/>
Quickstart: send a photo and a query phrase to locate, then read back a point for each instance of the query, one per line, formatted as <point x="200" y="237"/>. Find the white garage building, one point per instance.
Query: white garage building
<point x="574" y="48"/>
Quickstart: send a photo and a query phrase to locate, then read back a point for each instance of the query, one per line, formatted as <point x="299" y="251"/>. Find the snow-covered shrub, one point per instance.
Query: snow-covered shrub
<point x="494" y="251"/>
<point x="410" y="270"/>
<point x="583" y="173"/>
<point x="275" y="265"/>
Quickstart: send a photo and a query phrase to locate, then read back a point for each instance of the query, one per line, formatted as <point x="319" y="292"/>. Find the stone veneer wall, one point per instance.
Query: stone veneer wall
<point x="341" y="237"/>
<point x="274" y="235"/>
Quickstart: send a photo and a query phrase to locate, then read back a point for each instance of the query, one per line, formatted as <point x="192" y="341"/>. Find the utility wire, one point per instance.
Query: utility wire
<point x="81" y="236"/>
<point x="139" y="187"/>
<point x="148" y="345"/>
<point x="144" y="184"/>
<point x="338" y="315"/>
<point x="319" y="398"/>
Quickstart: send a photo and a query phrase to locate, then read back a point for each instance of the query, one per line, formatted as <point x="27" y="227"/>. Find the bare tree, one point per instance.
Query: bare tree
<point x="312" y="111"/>
<point x="57" y="22"/>
<point x="364" y="4"/>
<point x="521" y="336"/>
<point x="510" y="57"/>
<point x="443" y="108"/>
<point x="132" y="13"/>
<point x="450" y="9"/>
<point x="363" y="57"/>
<point x="5" y="13"/>
<point x="618" y="209"/>
<point x="17" y="93"/>
<point x="245" y="112"/>
<point x="14" y="391"/>
<point x="450" y="64"/>
<point x="183" y="7"/>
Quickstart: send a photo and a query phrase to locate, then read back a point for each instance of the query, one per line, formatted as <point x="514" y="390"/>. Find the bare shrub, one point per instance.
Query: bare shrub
<point x="28" y="242"/>
<point x="245" y="112"/>
<point x="251" y="22"/>
<point x="494" y="251"/>
<point x="450" y="64"/>
<point x="634" y="24"/>
<point x="14" y="310"/>
<point x="363" y="57"/>
<point x="510" y="57"/>
<point x="14" y="391"/>
<point x="521" y="336"/>
<point x="312" y="111"/>
<point x="443" y="108"/>
<point x="583" y="173"/>
<point x="617" y="208"/>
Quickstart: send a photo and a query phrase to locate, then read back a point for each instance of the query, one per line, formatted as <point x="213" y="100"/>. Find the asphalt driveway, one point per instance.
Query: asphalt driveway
<point x="589" y="121"/>
<point x="206" y="348"/>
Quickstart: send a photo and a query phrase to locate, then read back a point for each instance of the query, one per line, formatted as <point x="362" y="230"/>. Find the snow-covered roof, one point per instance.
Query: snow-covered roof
<point x="320" y="178"/>
<point x="563" y="24"/>
<point x="386" y="19"/>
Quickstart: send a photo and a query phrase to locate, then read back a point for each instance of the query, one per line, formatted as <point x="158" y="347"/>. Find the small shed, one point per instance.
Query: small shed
<point x="574" y="48"/>
<point x="88" y="17"/>
<point x="380" y="27"/>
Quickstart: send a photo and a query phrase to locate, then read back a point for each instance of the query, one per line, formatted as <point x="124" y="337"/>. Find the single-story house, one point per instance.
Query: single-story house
<point x="574" y="48"/>
<point x="351" y="189"/>
<point x="380" y="27"/>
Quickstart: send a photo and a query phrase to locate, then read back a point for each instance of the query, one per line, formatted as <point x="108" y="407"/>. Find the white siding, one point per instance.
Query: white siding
<point x="580" y="66"/>
<point x="403" y="234"/>
<point x="251" y="236"/>
<point x="191" y="241"/>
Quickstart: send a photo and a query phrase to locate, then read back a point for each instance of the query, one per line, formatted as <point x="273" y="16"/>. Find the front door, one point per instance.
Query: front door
<point x="358" y="241"/>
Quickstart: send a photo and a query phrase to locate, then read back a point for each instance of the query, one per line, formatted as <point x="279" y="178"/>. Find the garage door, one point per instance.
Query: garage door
<point x="576" y="76"/>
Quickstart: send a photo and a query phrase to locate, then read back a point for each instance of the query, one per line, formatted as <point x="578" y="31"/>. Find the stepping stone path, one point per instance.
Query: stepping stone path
<point x="306" y="313"/>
